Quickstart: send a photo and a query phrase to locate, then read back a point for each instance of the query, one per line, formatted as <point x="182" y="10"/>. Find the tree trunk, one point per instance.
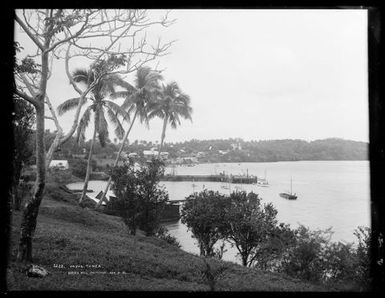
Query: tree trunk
<point x="163" y="134"/>
<point x="16" y="198"/>
<point x="244" y="260"/>
<point x="31" y="210"/>
<point x="117" y="159"/>
<point x="89" y="164"/>
<point x="17" y="167"/>
<point x="201" y="250"/>
<point x="53" y="147"/>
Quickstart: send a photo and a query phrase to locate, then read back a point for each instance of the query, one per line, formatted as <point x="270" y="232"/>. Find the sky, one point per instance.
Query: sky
<point x="258" y="75"/>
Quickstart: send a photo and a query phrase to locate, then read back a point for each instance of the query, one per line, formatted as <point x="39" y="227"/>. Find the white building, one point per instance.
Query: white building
<point x="164" y="155"/>
<point x="150" y="153"/>
<point x="60" y="164"/>
<point x="236" y="146"/>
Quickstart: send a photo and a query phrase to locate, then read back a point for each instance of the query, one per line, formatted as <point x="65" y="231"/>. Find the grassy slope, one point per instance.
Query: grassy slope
<point x="69" y="235"/>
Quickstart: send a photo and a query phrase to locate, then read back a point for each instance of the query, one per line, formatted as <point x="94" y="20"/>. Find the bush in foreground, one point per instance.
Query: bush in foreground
<point x="204" y="215"/>
<point x="139" y="199"/>
<point x="242" y="220"/>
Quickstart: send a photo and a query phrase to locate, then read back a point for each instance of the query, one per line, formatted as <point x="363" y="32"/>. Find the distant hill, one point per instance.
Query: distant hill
<point x="230" y="150"/>
<point x="237" y="150"/>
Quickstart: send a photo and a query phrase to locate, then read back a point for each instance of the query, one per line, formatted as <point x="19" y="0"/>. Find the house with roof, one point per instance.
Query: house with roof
<point x="59" y="164"/>
<point x="164" y="155"/>
<point x="148" y="154"/>
<point x="133" y="155"/>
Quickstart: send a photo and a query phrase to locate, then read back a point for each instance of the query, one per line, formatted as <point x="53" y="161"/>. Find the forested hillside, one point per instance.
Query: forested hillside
<point x="231" y="150"/>
<point x="237" y="150"/>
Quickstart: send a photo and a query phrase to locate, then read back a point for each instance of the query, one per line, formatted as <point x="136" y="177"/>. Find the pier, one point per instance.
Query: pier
<point x="212" y="178"/>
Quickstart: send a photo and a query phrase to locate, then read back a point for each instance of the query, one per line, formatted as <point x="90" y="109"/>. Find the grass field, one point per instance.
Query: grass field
<point x="86" y="250"/>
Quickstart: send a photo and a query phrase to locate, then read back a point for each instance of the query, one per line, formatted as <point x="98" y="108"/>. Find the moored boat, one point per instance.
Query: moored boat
<point x="287" y="195"/>
<point x="262" y="182"/>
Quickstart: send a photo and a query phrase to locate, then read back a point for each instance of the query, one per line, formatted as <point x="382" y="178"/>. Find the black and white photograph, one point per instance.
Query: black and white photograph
<point x="192" y="150"/>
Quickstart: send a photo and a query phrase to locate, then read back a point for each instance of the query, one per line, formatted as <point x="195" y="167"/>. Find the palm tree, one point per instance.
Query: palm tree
<point x="172" y="105"/>
<point x="103" y="87"/>
<point x="137" y="100"/>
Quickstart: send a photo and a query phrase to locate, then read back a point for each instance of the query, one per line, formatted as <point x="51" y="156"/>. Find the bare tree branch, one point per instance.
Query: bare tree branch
<point x="26" y="97"/>
<point x="29" y="33"/>
<point x="53" y="113"/>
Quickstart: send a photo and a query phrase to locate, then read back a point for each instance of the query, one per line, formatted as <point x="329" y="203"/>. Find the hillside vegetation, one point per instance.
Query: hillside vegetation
<point x="111" y="259"/>
<point x="237" y="150"/>
<point x="229" y="150"/>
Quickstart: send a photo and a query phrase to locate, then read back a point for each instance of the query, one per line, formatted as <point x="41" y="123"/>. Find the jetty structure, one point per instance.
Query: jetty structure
<point x="239" y="179"/>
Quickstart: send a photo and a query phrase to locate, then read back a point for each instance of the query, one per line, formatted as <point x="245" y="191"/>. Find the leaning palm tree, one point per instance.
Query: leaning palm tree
<point x="172" y="105"/>
<point x="137" y="100"/>
<point x="103" y="86"/>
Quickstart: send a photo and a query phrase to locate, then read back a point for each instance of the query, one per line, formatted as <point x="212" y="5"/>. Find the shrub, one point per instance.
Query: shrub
<point x="307" y="257"/>
<point x="341" y="261"/>
<point x="204" y="215"/>
<point x="163" y="234"/>
<point x="78" y="166"/>
<point x="314" y="257"/>
<point x="211" y="273"/>
<point x="249" y="225"/>
<point x="271" y="253"/>
<point x="59" y="176"/>
<point x="139" y="199"/>
<point x="363" y="276"/>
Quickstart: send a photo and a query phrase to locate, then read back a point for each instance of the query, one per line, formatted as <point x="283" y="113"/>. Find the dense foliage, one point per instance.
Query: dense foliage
<point x="242" y="220"/>
<point x="306" y="258"/>
<point x="139" y="198"/>
<point x="263" y="151"/>
<point x="238" y="150"/>
<point x="249" y="225"/>
<point x="203" y="213"/>
<point x="78" y="166"/>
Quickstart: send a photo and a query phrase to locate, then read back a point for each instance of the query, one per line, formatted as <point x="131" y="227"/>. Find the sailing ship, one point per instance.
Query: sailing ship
<point x="289" y="196"/>
<point x="225" y="182"/>
<point x="262" y="181"/>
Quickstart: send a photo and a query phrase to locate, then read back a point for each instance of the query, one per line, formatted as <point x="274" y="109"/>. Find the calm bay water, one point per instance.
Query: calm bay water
<point x="330" y="194"/>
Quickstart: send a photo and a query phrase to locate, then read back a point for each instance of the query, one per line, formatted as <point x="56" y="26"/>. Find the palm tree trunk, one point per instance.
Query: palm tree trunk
<point x="163" y="134"/>
<point x="31" y="210"/>
<point x="117" y="159"/>
<point x="89" y="164"/>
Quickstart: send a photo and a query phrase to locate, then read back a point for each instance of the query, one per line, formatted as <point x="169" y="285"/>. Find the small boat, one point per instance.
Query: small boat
<point x="262" y="182"/>
<point x="287" y="195"/>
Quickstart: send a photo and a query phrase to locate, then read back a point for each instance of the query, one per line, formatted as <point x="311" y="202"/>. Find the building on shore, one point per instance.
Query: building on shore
<point x="164" y="155"/>
<point x="148" y="154"/>
<point x="133" y="155"/>
<point x="59" y="164"/>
